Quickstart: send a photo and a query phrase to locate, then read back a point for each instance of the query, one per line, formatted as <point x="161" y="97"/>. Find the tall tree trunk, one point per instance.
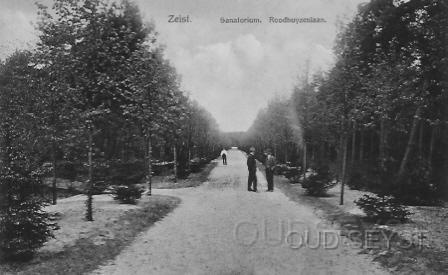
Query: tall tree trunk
<point x="339" y="156"/>
<point x="89" y="214"/>
<point x="353" y="156"/>
<point x="381" y="149"/>
<point x="175" y="162"/>
<point x="361" y="145"/>
<point x="53" y="187"/>
<point x="410" y="144"/>
<point x="304" y="160"/>
<point x="344" y="168"/>
<point x="149" y="155"/>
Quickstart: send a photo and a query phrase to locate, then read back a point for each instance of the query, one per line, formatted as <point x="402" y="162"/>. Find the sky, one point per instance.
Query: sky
<point x="231" y="69"/>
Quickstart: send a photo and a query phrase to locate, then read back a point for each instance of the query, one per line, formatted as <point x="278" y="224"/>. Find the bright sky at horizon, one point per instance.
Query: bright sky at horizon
<point x="232" y="69"/>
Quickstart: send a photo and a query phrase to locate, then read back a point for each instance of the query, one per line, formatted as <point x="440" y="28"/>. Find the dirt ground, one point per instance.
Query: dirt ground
<point x="428" y="221"/>
<point x="221" y="228"/>
<point x="71" y="213"/>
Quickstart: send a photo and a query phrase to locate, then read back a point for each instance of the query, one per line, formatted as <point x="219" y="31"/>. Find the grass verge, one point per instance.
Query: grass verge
<point x="87" y="254"/>
<point x="397" y="254"/>
<point x="193" y="180"/>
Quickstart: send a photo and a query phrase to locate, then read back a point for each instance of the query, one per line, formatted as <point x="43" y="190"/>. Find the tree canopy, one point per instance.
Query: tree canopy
<point x="383" y="104"/>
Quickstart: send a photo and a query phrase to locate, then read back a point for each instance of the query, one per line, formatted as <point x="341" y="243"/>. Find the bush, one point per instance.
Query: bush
<point x="319" y="181"/>
<point x="128" y="194"/>
<point x="24" y="226"/>
<point x="383" y="209"/>
<point x="290" y="172"/>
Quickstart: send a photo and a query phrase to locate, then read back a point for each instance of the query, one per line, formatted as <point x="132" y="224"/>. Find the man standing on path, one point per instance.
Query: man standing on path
<point x="269" y="169"/>
<point x="224" y="156"/>
<point x="252" y="167"/>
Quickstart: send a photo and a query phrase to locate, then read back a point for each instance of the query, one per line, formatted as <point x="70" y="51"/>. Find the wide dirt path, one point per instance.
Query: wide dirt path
<point x="221" y="228"/>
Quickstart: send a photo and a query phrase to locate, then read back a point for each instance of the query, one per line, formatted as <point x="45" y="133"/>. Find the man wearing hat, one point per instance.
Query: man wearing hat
<point x="224" y="156"/>
<point x="269" y="169"/>
<point x="252" y="167"/>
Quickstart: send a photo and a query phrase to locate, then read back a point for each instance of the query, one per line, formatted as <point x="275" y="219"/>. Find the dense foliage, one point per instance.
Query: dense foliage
<point x="96" y="102"/>
<point x="24" y="226"/>
<point x="318" y="182"/>
<point x="379" y="116"/>
<point x="383" y="209"/>
<point x="128" y="194"/>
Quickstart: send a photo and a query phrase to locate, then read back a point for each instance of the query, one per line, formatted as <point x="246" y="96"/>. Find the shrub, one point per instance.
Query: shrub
<point x="383" y="209"/>
<point x="319" y="181"/>
<point x="24" y="226"/>
<point x="128" y="194"/>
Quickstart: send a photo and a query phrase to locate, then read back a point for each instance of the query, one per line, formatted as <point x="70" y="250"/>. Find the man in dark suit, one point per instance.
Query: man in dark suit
<point x="252" y="167"/>
<point x="270" y="165"/>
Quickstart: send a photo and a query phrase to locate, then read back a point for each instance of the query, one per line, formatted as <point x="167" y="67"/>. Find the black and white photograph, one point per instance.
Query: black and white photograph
<point x="237" y="137"/>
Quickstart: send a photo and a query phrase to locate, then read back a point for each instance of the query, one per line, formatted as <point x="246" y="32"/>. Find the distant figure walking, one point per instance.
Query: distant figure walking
<point x="252" y="167"/>
<point x="224" y="156"/>
<point x="269" y="165"/>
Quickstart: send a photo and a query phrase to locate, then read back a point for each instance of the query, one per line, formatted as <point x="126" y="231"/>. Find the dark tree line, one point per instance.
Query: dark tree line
<point x="379" y="116"/>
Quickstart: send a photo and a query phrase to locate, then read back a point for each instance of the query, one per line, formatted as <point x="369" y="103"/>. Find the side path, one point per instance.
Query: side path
<point x="220" y="228"/>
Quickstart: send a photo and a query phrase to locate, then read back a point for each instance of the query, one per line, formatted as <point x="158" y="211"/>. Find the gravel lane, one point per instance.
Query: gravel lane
<point x="221" y="228"/>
